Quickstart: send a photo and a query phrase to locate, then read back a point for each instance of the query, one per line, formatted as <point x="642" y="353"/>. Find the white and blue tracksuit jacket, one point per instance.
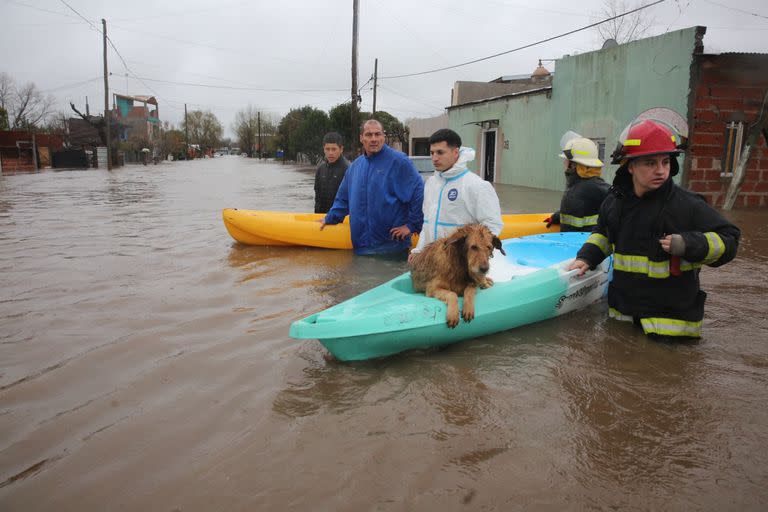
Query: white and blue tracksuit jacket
<point x="457" y="197"/>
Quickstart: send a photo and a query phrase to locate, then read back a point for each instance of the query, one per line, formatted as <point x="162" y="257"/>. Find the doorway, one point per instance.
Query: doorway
<point x="489" y="155"/>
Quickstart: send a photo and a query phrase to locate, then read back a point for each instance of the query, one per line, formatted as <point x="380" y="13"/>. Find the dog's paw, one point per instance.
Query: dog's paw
<point x="452" y="319"/>
<point x="468" y="314"/>
<point x="486" y="283"/>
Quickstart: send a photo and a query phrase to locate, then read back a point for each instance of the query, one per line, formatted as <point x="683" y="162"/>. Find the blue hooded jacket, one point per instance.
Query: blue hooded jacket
<point x="379" y="192"/>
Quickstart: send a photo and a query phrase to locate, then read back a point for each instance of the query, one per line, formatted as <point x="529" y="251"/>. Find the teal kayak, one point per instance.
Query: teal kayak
<point x="530" y="285"/>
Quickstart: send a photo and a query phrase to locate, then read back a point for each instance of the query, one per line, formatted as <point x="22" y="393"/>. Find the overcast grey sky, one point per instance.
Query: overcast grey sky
<point x="275" y="55"/>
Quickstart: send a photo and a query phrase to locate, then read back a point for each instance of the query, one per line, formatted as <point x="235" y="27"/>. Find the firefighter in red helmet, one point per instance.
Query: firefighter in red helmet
<point x="660" y="236"/>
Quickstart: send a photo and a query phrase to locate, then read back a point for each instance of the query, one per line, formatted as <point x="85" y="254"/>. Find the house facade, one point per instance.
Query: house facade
<point x="137" y="116"/>
<point x="598" y="93"/>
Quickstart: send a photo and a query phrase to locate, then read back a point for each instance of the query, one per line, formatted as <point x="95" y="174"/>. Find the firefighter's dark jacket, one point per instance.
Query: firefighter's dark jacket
<point x="327" y="180"/>
<point x="581" y="202"/>
<point x="642" y="285"/>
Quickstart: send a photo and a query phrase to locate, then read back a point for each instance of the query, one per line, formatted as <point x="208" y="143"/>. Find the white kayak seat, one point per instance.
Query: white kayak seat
<point x="504" y="269"/>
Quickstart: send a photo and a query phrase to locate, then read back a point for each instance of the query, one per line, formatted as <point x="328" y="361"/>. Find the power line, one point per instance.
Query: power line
<point x="525" y="46"/>
<point x="203" y="45"/>
<point x="414" y="100"/>
<point x="22" y="4"/>
<point x="736" y="9"/>
<point x="114" y="47"/>
<point x="75" y="84"/>
<point x="230" y="87"/>
<point x="89" y="22"/>
<point x="176" y="14"/>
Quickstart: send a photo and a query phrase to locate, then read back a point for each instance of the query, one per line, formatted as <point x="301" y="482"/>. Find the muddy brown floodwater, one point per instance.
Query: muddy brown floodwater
<point x="145" y="364"/>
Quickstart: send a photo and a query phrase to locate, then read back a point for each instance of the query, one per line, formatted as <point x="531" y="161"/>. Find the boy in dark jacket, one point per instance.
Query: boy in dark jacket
<point x="330" y="172"/>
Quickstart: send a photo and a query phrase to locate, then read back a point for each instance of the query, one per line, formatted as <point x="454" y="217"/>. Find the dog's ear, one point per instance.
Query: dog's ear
<point x="457" y="240"/>
<point x="497" y="245"/>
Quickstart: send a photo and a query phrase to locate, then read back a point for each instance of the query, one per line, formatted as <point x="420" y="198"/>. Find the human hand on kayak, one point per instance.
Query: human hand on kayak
<point x="580" y="265"/>
<point x="400" y="232"/>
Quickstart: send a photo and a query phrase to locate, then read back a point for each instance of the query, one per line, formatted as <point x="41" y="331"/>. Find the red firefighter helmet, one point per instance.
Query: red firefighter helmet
<point x="654" y="132"/>
<point x="649" y="138"/>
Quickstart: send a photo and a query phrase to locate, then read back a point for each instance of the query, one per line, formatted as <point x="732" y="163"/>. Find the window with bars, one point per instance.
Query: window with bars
<point x="734" y="137"/>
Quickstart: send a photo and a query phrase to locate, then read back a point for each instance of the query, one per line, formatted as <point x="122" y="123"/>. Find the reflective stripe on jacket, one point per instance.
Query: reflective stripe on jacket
<point x="646" y="286"/>
<point x="581" y="202"/>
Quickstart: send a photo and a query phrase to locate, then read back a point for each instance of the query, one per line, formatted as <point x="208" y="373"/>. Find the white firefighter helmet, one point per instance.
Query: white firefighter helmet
<point x="582" y="151"/>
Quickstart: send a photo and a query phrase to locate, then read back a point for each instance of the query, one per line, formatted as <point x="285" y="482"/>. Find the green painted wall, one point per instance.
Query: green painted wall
<point x="595" y="94"/>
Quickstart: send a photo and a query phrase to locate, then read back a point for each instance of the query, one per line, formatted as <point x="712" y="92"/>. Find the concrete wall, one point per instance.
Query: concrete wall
<point x="596" y="94"/>
<point x="517" y="151"/>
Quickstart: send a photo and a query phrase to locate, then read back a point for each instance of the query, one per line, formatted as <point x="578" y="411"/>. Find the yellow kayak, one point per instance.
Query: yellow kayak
<point x="261" y="227"/>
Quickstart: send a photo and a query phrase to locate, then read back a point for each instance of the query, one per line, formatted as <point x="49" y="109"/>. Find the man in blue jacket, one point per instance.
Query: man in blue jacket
<point x="382" y="193"/>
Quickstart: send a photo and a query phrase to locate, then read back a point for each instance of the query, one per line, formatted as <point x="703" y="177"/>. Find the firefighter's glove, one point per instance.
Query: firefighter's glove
<point x="676" y="245"/>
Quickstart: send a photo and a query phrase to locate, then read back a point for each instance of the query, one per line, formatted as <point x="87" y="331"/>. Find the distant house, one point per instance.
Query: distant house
<point x="137" y="116"/>
<point x="464" y="92"/>
<point x="23" y="151"/>
<point x="419" y="131"/>
<point x="598" y="93"/>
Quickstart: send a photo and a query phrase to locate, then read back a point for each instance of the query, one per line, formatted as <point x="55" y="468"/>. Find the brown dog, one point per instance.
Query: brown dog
<point x="456" y="265"/>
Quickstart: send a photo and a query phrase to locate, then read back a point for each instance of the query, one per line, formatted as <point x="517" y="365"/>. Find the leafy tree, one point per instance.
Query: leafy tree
<point x="171" y="142"/>
<point x="340" y="118"/>
<point x="395" y="130"/>
<point x="204" y="129"/>
<point x="302" y="131"/>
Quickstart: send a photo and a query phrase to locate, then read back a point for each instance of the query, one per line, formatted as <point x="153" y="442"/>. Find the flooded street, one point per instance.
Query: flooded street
<point x="145" y="364"/>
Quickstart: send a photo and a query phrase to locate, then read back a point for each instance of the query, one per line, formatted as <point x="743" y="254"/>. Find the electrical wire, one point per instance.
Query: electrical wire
<point x="233" y="88"/>
<point x="524" y="46"/>
<point x="736" y="9"/>
<point x="75" y="84"/>
<point x="89" y="22"/>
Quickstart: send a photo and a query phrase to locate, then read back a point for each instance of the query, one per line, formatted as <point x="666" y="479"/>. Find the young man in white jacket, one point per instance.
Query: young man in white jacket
<point x="454" y="195"/>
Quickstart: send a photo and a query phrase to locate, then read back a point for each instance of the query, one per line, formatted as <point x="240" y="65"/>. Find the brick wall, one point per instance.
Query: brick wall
<point x="727" y="88"/>
<point x="15" y="161"/>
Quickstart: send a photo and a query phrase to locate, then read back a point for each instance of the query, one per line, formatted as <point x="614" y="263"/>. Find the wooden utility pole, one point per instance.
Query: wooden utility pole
<point x="186" y="132"/>
<point x="353" y="109"/>
<point x="107" y="123"/>
<point x="375" y="79"/>
<point x="258" y="117"/>
<point x="35" y="162"/>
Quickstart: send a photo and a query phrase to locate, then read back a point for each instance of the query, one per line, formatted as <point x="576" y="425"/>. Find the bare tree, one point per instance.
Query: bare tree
<point x="627" y="28"/>
<point x="26" y="106"/>
<point x="95" y="122"/>
<point x="57" y="125"/>
<point x="246" y="128"/>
